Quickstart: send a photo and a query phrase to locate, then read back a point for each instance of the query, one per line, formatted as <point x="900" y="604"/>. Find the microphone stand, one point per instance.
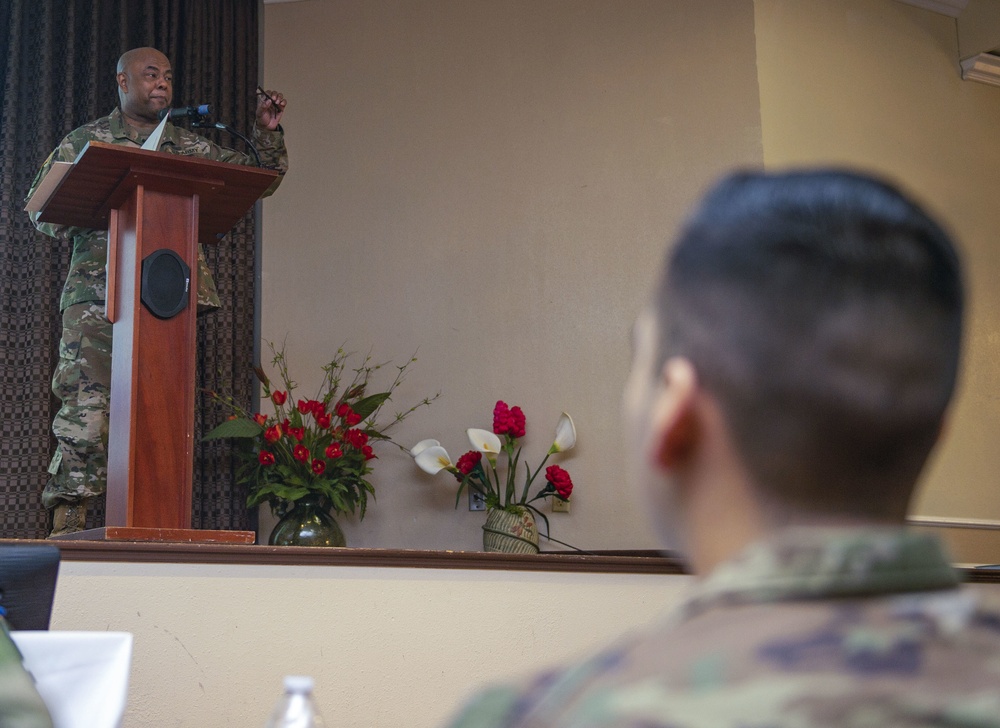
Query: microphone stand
<point x="204" y="124"/>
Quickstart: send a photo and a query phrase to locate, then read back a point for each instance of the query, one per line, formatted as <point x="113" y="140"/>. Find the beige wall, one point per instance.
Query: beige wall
<point x="876" y="84"/>
<point x="387" y="647"/>
<point x="492" y="182"/>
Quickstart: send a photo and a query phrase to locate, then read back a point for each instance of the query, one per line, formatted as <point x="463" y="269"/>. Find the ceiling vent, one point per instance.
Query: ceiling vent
<point x="953" y="8"/>
<point x="983" y="67"/>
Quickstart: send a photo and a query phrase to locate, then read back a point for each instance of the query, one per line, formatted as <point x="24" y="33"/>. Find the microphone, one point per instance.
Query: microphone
<point x="186" y="112"/>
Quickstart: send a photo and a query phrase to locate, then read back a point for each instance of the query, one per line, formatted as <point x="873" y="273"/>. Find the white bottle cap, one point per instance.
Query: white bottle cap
<point x="299" y="684"/>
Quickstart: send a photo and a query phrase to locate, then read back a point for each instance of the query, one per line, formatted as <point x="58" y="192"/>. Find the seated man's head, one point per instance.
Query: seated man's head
<point x="803" y="342"/>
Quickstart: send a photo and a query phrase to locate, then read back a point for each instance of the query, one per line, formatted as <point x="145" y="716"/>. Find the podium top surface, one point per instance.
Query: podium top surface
<point x="104" y="174"/>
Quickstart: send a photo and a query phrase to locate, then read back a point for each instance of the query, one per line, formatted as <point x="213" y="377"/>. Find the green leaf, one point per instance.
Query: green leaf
<point x="543" y="517"/>
<point x="297" y="481"/>
<point x="288" y="492"/>
<point x="240" y="427"/>
<point x="366" y="406"/>
<point x="338" y="503"/>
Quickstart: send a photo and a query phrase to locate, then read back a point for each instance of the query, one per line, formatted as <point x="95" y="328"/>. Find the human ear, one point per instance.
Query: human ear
<point x="122" y="79"/>
<point x="675" y="420"/>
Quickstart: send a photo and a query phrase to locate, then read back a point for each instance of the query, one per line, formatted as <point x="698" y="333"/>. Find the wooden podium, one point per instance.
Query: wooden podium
<point x="154" y="205"/>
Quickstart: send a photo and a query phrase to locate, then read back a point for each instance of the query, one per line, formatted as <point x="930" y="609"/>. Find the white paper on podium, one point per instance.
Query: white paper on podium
<point x="81" y="676"/>
<point x="153" y="142"/>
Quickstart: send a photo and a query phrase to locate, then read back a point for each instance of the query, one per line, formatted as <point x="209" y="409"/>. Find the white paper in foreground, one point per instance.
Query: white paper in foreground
<point x="81" y="676"/>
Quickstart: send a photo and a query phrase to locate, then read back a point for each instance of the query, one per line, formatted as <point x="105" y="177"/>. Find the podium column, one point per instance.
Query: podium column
<point x="152" y="408"/>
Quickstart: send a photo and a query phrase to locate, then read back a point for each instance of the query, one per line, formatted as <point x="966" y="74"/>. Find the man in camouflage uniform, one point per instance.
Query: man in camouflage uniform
<point x="82" y="379"/>
<point x="788" y="383"/>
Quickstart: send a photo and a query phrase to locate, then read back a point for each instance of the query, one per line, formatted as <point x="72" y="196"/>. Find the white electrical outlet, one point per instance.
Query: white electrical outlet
<point x="476" y="502"/>
<point x="560" y="506"/>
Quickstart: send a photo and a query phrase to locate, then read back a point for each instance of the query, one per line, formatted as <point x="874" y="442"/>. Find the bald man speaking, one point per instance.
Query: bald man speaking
<point x="82" y="379"/>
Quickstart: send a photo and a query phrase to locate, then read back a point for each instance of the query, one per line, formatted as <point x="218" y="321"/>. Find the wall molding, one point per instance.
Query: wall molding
<point x="604" y="562"/>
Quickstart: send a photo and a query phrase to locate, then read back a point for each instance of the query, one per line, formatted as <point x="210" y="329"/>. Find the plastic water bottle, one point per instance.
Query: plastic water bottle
<point x="296" y="709"/>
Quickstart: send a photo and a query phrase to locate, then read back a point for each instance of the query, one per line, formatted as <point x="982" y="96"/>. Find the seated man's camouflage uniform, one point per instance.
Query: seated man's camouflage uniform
<point x="788" y="633"/>
<point x="82" y="379"/>
<point x="20" y="704"/>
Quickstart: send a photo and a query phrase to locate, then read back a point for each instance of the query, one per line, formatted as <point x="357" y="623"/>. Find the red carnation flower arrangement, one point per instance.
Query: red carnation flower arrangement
<point x="495" y="481"/>
<point x="314" y="447"/>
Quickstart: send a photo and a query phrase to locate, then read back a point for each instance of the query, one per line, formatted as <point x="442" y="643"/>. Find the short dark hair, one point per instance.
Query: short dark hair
<point x="822" y="309"/>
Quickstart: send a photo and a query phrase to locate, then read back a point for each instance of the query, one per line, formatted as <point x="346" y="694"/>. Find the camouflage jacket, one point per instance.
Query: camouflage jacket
<point x="86" y="280"/>
<point x="818" y="627"/>
<point x="20" y="704"/>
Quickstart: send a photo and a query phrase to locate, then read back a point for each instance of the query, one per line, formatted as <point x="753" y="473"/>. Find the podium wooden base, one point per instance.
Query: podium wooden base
<point x="164" y="535"/>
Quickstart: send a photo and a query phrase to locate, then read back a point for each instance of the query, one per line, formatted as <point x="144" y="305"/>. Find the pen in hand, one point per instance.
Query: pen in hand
<point x="267" y="96"/>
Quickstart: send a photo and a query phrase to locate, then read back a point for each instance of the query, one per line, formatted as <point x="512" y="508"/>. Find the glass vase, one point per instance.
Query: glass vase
<point x="308" y="523"/>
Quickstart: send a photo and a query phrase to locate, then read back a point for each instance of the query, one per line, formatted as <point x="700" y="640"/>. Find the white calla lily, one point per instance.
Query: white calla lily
<point x="433" y="459"/>
<point x="421" y="446"/>
<point x="484" y="441"/>
<point x="565" y="434"/>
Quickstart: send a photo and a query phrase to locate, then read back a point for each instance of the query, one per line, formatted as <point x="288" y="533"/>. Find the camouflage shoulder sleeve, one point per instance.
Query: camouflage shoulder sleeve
<point x="489" y="709"/>
<point x="20" y="703"/>
<point x="270" y="145"/>
<point x="189" y="144"/>
<point x="67" y="151"/>
<point x="273" y="154"/>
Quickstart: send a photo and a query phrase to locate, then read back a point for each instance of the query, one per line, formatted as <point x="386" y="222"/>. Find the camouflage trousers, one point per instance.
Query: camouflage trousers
<point x="82" y="382"/>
